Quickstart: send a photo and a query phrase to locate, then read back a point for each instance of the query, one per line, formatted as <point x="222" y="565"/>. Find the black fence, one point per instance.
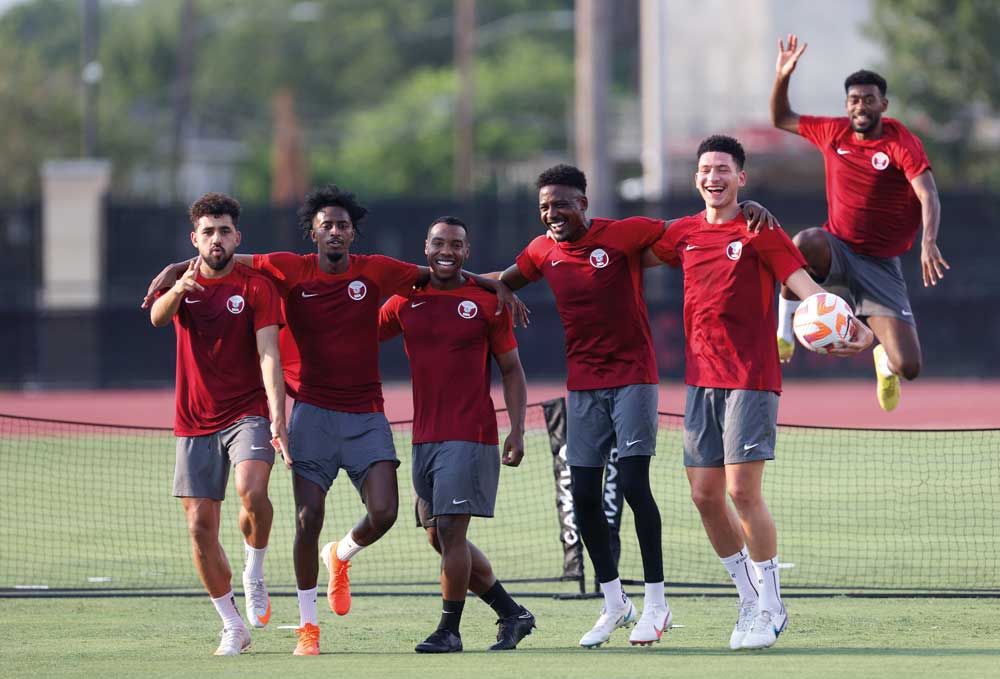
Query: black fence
<point x="115" y="345"/>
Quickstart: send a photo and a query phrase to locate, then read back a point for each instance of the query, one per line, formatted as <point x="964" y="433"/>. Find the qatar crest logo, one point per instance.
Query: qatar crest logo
<point x="734" y="250"/>
<point x="357" y="290"/>
<point x="467" y="309"/>
<point x="880" y="161"/>
<point x="235" y="304"/>
<point x="599" y="259"/>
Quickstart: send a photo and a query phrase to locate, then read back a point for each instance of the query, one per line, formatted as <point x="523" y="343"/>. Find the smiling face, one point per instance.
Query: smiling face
<point x="719" y="179"/>
<point x="563" y="211"/>
<point x="333" y="232"/>
<point x="216" y="238"/>
<point x="447" y="248"/>
<point x="865" y="106"/>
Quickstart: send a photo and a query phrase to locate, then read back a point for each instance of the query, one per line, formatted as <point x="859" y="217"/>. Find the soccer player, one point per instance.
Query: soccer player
<point x="331" y="302"/>
<point x="879" y="191"/>
<point x="734" y="378"/>
<point x="225" y="316"/>
<point x="450" y="332"/>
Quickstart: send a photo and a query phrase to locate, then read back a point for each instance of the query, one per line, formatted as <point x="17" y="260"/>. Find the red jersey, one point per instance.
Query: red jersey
<point x="218" y="369"/>
<point x="333" y="322"/>
<point x="729" y="292"/>
<point x="449" y="337"/>
<point x="870" y="203"/>
<point x="597" y="283"/>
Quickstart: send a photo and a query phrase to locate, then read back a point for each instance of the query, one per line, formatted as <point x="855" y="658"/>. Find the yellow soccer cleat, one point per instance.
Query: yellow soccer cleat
<point x="785" y="349"/>
<point x="888" y="387"/>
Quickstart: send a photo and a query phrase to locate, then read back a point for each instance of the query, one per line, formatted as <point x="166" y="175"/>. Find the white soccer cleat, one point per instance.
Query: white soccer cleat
<point x="748" y="611"/>
<point x="235" y="640"/>
<point x="654" y="622"/>
<point x="258" y="603"/>
<point x="607" y="623"/>
<point x="766" y="628"/>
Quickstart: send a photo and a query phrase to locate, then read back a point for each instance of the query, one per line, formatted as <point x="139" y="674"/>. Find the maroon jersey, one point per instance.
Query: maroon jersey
<point x="870" y="203"/>
<point x="597" y="283"/>
<point x="729" y="291"/>
<point x="218" y="370"/>
<point x="333" y="321"/>
<point x="449" y="337"/>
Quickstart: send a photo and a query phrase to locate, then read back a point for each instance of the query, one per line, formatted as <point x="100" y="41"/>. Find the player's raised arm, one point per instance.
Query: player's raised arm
<point x="274" y="386"/>
<point x="782" y="115"/>
<point x="515" y="396"/>
<point x="171" y="272"/>
<point x="931" y="261"/>
<point x="166" y="306"/>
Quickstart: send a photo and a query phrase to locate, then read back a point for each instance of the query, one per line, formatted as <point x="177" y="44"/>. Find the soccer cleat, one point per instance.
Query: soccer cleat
<point x="888" y="387"/>
<point x="764" y="631"/>
<point x="512" y="629"/>
<point x="234" y="641"/>
<point x="748" y="611"/>
<point x="258" y="603"/>
<point x="607" y="623"/>
<point x="308" y="640"/>
<point x="654" y="622"/>
<point x="440" y="641"/>
<point x="338" y="592"/>
<point x="785" y="349"/>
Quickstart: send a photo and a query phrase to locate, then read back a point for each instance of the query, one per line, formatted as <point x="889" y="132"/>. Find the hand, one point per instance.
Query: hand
<point x="513" y="450"/>
<point x="757" y="215"/>
<point x="165" y="279"/>
<point x="859" y="338"/>
<point x="787" y="59"/>
<point x="518" y="311"/>
<point x="279" y="439"/>
<point x="932" y="262"/>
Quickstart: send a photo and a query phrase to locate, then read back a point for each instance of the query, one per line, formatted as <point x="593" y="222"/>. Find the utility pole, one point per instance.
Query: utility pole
<point x="652" y="86"/>
<point x="593" y="73"/>
<point x="465" y="142"/>
<point x="183" y="85"/>
<point x="90" y="75"/>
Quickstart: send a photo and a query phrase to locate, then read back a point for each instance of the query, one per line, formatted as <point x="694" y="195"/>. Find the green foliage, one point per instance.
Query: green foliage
<point x="944" y="80"/>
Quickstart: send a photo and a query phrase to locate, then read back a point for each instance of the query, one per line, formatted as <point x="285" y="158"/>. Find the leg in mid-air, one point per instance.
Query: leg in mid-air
<point x="815" y="248"/>
<point x="897" y="355"/>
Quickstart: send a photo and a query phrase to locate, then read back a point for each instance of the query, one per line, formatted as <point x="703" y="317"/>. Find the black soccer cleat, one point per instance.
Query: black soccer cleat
<point x="512" y="629"/>
<point x="440" y="641"/>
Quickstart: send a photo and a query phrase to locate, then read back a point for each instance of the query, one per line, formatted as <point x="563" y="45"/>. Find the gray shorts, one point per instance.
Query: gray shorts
<point x="202" y="463"/>
<point x="729" y="426"/>
<point x="323" y="442"/>
<point x="599" y="419"/>
<point x="874" y="286"/>
<point x="456" y="477"/>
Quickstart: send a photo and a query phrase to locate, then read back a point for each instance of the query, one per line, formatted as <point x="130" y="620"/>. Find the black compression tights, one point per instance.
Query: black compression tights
<point x="588" y="500"/>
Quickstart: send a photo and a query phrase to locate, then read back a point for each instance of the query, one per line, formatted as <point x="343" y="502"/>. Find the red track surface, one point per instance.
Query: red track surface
<point x="926" y="404"/>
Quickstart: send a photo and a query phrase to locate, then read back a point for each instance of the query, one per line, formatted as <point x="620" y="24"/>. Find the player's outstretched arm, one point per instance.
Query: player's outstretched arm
<point x="931" y="261"/>
<point x="518" y="311"/>
<point x="860" y="336"/>
<point x="782" y="115"/>
<point x="515" y="396"/>
<point x="166" y="306"/>
<point x="274" y="386"/>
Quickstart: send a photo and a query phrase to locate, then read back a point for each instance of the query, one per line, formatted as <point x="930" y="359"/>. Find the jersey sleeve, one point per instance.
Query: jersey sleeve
<point x="285" y="269"/>
<point x="501" y="332"/>
<point x="529" y="262"/>
<point x="393" y="276"/>
<point x="665" y="247"/>
<point x="778" y="253"/>
<point x="909" y="155"/>
<point x="819" y="131"/>
<point x="266" y="304"/>
<point x="635" y="234"/>
<point x="389" y="325"/>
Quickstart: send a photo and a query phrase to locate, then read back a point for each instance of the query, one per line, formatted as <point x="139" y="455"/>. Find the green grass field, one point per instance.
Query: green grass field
<point x="174" y="637"/>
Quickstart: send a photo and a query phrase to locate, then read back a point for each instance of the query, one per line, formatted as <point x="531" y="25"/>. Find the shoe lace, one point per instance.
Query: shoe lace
<point x="308" y="634"/>
<point x="762" y="622"/>
<point x="257" y="594"/>
<point x="231" y="636"/>
<point x="746" y="616"/>
<point x="341" y="583"/>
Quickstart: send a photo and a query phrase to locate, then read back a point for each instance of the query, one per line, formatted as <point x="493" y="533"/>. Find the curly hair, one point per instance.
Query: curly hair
<point x="213" y="205"/>
<point x="329" y="196"/>
<point x="864" y="77"/>
<point x="563" y="175"/>
<point x="724" y="144"/>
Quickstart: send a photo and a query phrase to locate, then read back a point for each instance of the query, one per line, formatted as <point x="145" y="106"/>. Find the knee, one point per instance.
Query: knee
<point x="707" y="500"/>
<point x="383" y="515"/>
<point x="309" y="522"/>
<point x="201" y="530"/>
<point x="433" y="539"/>
<point x="745" y="497"/>
<point x="910" y="368"/>
<point x="254" y="499"/>
<point x="810" y="242"/>
<point x="586" y="500"/>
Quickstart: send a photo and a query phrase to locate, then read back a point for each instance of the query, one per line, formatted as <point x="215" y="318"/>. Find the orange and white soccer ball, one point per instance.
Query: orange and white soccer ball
<point x="822" y="321"/>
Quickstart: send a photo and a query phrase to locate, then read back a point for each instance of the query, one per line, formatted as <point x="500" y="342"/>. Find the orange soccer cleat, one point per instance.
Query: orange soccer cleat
<point x="308" y="640"/>
<point x="338" y="592"/>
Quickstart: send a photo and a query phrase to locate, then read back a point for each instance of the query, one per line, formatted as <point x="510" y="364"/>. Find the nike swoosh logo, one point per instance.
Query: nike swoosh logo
<point x="416" y="304"/>
<point x="258" y="447"/>
<point x="749" y="446"/>
<point x="629" y="444"/>
<point x="307" y="295"/>
<point x="191" y="301"/>
<point x="842" y="152"/>
<point x="557" y="261"/>
<point x="692" y="247"/>
<point x="263" y="619"/>
<point x="907" y="313"/>
<point x="458" y="502"/>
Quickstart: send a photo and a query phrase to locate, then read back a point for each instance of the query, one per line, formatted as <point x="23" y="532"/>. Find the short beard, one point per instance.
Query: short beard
<point x="218" y="266"/>
<point x="334" y="257"/>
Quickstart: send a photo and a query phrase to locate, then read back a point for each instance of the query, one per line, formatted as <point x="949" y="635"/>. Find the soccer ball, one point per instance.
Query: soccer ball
<point x="822" y="321"/>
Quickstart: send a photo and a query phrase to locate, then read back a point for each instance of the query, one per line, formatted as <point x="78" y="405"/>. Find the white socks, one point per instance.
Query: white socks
<point x="882" y="365"/>
<point x="786" y="309"/>
<point x="654" y="596"/>
<point x="347" y="547"/>
<point x="225" y="605"/>
<point x="254" y="567"/>
<point x="768" y="586"/>
<point x="307" y="606"/>
<point x="739" y="569"/>
<point x="614" y="596"/>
